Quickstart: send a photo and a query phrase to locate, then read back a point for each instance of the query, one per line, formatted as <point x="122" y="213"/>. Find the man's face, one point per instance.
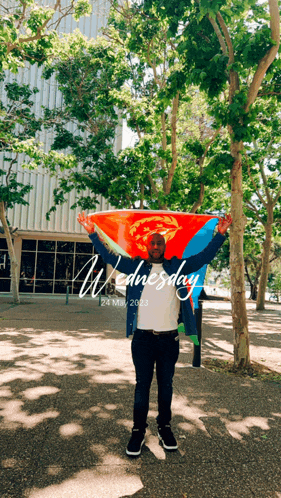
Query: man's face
<point x="156" y="248"/>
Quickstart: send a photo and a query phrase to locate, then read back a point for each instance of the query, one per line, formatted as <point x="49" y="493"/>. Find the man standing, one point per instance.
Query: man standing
<point x="154" y="309"/>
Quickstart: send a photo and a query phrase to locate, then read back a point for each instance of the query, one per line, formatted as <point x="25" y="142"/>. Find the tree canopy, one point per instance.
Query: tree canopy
<point x="28" y="29"/>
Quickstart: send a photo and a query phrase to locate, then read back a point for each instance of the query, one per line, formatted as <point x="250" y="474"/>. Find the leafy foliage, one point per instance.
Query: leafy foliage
<point x="131" y="72"/>
<point x="28" y="30"/>
<point x="18" y="129"/>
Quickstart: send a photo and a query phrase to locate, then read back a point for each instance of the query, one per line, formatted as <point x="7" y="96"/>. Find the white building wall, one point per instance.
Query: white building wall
<point x="33" y="216"/>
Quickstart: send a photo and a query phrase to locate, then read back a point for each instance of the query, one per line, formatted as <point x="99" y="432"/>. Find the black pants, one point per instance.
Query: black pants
<point x="148" y="349"/>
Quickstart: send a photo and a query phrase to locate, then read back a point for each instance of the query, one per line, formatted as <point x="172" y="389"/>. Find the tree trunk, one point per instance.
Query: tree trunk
<point x="12" y="256"/>
<point x="253" y="285"/>
<point x="254" y="292"/>
<point x="238" y="297"/>
<point x="265" y="263"/>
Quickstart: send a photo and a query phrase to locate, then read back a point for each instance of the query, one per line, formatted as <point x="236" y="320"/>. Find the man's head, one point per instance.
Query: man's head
<point x="156" y="247"/>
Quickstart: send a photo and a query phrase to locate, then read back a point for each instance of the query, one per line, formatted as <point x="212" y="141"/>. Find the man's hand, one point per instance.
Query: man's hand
<point x="86" y="222"/>
<point x="224" y="224"/>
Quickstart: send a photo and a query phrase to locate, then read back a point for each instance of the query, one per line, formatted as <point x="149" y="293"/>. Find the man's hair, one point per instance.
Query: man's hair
<point x="155" y="233"/>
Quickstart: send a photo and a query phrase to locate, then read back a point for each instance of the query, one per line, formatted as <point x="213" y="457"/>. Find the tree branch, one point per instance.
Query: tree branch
<point x="253" y="208"/>
<point x="277" y="197"/>
<point x="233" y="75"/>
<point x="269" y="56"/>
<point x="174" y="143"/>
<point x="254" y="183"/>
<point x="10" y="168"/>
<point x="200" y="199"/>
<point x="227" y="38"/>
<point x="219" y="35"/>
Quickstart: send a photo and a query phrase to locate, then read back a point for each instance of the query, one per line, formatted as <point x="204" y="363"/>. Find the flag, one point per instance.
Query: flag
<point x="126" y="232"/>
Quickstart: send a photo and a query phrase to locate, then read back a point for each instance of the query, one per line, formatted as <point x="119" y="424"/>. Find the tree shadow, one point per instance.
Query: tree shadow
<point x="56" y="426"/>
<point x="66" y="401"/>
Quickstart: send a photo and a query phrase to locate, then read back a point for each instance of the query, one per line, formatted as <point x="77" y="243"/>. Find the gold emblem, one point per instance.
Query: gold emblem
<point x="142" y="229"/>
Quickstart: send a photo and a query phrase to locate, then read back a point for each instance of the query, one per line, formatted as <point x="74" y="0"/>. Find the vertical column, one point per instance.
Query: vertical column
<point x="197" y="349"/>
<point x="17" y="247"/>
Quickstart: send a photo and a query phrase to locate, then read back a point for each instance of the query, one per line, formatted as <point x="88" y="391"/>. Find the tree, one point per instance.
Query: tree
<point x="227" y="48"/>
<point x="128" y="70"/>
<point x="28" y="30"/>
<point x="262" y="179"/>
<point x="28" y="34"/>
<point x="274" y="280"/>
<point x="18" y="128"/>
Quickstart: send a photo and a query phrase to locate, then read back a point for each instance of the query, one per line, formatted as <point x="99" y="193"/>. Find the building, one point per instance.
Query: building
<point x="50" y="253"/>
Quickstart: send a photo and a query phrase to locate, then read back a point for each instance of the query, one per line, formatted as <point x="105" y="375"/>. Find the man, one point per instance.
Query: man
<point x="154" y="309"/>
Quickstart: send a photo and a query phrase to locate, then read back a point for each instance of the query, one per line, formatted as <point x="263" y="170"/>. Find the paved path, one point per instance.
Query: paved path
<point x="66" y="391"/>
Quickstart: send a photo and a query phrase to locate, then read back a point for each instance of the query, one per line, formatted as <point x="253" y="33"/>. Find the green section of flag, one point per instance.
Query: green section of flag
<point x="193" y="338"/>
<point x="181" y="328"/>
<point x="115" y="247"/>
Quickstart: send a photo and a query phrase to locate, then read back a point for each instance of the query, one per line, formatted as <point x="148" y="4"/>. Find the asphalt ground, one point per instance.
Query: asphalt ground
<point x="66" y="399"/>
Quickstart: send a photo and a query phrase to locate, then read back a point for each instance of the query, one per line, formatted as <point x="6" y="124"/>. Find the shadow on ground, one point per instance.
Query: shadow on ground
<point x="66" y="407"/>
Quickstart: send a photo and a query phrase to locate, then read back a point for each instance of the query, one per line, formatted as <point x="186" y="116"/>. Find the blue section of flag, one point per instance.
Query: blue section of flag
<point x="200" y="240"/>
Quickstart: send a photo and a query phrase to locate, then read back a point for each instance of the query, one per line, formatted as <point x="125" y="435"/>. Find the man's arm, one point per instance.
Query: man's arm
<point x="122" y="264"/>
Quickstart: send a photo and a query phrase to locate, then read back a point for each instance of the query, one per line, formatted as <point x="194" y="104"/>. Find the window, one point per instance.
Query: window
<point x="4" y="267"/>
<point x="49" y="266"/>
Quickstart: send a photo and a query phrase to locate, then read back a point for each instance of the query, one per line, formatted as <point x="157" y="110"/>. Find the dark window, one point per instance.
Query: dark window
<point x="3" y="244"/>
<point x="28" y="245"/>
<point x="49" y="266"/>
<point x="84" y="247"/>
<point x="4" y="264"/>
<point x="46" y="245"/>
<point x="80" y="261"/>
<point x="77" y="287"/>
<point x="98" y="266"/>
<point x="64" y="266"/>
<point x="43" y="286"/>
<point x="45" y="266"/>
<point x="65" y="246"/>
<point x="26" y="285"/>
<point x="61" y="287"/>
<point x="27" y="269"/>
<point x="4" y="285"/>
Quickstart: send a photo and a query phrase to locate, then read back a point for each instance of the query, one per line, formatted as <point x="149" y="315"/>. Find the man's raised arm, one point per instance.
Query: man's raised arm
<point x="122" y="264"/>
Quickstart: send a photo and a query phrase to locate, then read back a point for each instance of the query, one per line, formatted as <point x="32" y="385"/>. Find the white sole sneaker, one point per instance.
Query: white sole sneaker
<point x="169" y="448"/>
<point x="135" y="453"/>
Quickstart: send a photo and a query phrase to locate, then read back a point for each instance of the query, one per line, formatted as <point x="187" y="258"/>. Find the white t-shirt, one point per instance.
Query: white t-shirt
<point x="158" y="308"/>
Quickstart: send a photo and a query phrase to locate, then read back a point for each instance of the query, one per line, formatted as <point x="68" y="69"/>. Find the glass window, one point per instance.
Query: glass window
<point x="64" y="266"/>
<point x="4" y="285"/>
<point x="84" y="247"/>
<point x="44" y="286"/>
<point x="27" y="269"/>
<point x="45" y="266"/>
<point x="49" y="266"/>
<point x="29" y="245"/>
<point x="97" y="288"/>
<point x="46" y="245"/>
<point x="60" y="287"/>
<point x="98" y="266"/>
<point x="65" y="246"/>
<point x="3" y="244"/>
<point x="4" y="264"/>
<point x="26" y="285"/>
<point x="77" y="287"/>
<point x="80" y="261"/>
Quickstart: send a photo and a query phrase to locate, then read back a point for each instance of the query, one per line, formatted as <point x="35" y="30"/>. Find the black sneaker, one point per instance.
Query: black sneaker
<point x="135" y="443"/>
<point x="167" y="438"/>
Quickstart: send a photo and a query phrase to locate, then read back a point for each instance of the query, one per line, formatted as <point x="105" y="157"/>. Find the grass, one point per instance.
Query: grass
<point x="254" y="371"/>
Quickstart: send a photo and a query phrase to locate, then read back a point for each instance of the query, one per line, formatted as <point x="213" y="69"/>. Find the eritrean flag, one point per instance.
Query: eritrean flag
<point x="126" y="232"/>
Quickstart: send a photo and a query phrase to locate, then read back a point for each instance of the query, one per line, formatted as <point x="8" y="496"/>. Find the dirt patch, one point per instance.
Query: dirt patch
<point x="255" y="370"/>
